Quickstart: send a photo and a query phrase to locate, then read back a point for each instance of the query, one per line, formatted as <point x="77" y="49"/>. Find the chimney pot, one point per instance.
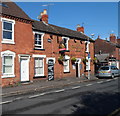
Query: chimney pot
<point x="44" y="16"/>
<point x="45" y="11"/>
<point x="113" y="38"/>
<point x="80" y="29"/>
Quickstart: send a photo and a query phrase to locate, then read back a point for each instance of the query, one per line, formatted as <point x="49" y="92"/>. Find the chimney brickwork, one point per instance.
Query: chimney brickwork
<point x="44" y="16"/>
<point x="113" y="38"/>
<point x="80" y="29"/>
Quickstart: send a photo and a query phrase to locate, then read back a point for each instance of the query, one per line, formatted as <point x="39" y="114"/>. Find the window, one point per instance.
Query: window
<point x="66" y="66"/>
<point x="8" y="31"/>
<point x="8" y="64"/>
<point x="39" y="67"/>
<point x="38" y="40"/>
<point x="88" y="64"/>
<point x="104" y="68"/>
<point x="87" y="46"/>
<point x="65" y="40"/>
<point x="66" y="63"/>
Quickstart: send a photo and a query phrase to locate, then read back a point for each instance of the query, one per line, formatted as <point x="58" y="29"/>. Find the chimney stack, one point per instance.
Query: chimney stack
<point x="113" y="38"/>
<point x="80" y="29"/>
<point x="44" y="16"/>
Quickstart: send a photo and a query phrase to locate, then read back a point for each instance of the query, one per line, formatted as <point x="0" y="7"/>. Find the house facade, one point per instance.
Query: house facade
<point x="107" y="51"/>
<point x="34" y="50"/>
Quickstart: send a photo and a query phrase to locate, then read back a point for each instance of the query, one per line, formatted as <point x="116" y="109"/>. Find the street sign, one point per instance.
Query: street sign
<point x="88" y="55"/>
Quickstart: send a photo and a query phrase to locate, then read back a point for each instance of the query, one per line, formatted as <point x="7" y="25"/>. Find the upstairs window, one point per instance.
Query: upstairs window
<point x="65" y="41"/>
<point x="87" y="46"/>
<point x="38" y="40"/>
<point x="8" y="31"/>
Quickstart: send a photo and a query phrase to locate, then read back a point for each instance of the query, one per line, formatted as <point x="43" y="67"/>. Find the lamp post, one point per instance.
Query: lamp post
<point x="89" y="56"/>
<point x="88" y="61"/>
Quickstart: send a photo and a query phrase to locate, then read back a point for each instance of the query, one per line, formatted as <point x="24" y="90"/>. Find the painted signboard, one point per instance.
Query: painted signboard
<point x="50" y="69"/>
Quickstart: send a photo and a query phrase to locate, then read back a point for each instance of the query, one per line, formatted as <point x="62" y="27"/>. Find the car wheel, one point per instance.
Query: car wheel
<point x="113" y="76"/>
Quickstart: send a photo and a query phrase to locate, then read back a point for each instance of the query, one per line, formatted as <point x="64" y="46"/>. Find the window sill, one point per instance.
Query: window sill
<point x="64" y="51"/>
<point x="39" y="49"/>
<point x="67" y="72"/>
<point x="39" y="77"/>
<point x="8" y="42"/>
<point x="7" y="76"/>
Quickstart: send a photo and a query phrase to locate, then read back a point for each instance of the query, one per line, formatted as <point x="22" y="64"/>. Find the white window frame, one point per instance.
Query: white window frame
<point x="4" y="40"/>
<point x="68" y="61"/>
<point x="67" y="39"/>
<point x="87" y="46"/>
<point x="88" y="63"/>
<point x="49" y="58"/>
<point x="41" y="57"/>
<point x="42" y="35"/>
<point x="8" y="53"/>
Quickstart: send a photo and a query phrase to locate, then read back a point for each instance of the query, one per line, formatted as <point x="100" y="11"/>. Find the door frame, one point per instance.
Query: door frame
<point x="27" y="57"/>
<point x="51" y="58"/>
<point x="78" y="61"/>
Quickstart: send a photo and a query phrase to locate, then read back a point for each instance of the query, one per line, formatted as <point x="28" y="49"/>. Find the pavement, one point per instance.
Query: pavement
<point x="40" y="85"/>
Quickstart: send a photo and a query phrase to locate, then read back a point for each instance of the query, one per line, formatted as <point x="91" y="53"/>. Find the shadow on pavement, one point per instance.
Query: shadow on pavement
<point x="97" y="104"/>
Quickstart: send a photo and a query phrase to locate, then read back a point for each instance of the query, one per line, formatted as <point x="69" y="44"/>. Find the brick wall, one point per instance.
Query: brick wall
<point x="23" y="45"/>
<point x="77" y="49"/>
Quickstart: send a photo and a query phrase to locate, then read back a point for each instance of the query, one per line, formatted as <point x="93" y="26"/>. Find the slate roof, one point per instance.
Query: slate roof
<point x="104" y="46"/>
<point x="11" y="9"/>
<point x="40" y="26"/>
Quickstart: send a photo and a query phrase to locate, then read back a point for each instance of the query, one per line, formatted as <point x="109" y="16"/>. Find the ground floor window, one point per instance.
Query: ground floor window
<point x="39" y="67"/>
<point x="66" y="66"/>
<point x="7" y="63"/>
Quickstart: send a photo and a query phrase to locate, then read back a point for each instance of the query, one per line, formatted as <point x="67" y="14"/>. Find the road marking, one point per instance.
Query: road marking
<point x="19" y="98"/>
<point x="38" y="95"/>
<point x="88" y="84"/>
<point x="100" y="82"/>
<point x="115" y="78"/>
<point x="61" y="90"/>
<point x="109" y="80"/>
<point x="6" y="102"/>
<point x="76" y="87"/>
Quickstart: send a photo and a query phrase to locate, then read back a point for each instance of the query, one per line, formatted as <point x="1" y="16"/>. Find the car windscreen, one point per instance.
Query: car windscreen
<point x="104" y="68"/>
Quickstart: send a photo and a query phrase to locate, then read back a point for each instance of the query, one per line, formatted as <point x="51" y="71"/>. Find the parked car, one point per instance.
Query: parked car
<point x="108" y="71"/>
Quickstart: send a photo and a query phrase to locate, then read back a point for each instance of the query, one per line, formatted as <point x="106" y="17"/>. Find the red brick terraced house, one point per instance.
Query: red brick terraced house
<point x="34" y="50"/>
<point x="107" y="51"/>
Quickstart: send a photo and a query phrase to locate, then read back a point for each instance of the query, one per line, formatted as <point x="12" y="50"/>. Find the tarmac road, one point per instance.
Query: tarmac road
<point x="100" y="97"/>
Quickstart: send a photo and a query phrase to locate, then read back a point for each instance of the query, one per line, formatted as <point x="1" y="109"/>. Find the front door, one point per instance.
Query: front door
<point x="76" y="69"/>
<point x="24" y="70"/>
